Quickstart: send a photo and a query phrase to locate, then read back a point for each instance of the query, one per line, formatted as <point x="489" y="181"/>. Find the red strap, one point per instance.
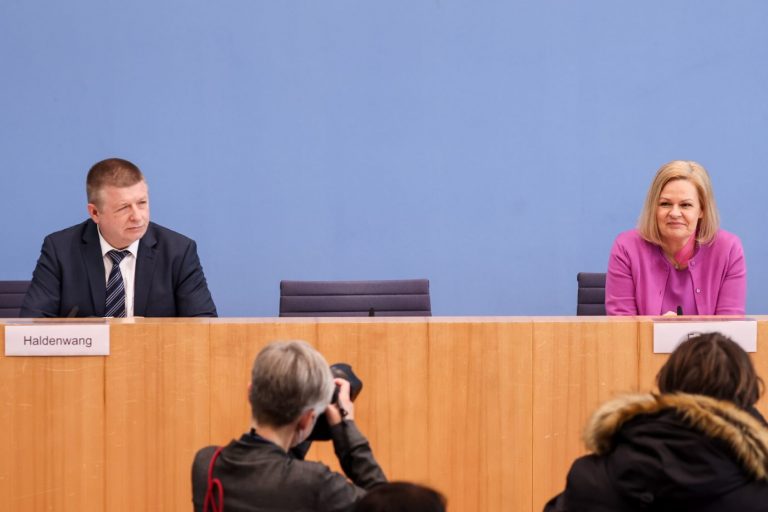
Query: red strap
<point x="215" y="489"/>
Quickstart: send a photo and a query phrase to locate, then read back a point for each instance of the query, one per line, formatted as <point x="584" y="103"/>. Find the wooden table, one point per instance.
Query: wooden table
<point x="487" y="410"/>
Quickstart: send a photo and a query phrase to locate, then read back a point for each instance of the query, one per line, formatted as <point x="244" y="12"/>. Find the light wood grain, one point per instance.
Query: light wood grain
<point x="487" y="410"/>
<point x="576" y="366"/>
<point x="391" y="360"/>
<point x="51" y="433"/>
<point x="157" y="413"/>
<point x="480" y="428"/>
<point x="234" y="346"/>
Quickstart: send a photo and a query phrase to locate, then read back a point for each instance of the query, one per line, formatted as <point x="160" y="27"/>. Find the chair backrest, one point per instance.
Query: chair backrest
<point x="591" y="297"/>
<point x="11" y="296"/>
<point x="407" y="297"/>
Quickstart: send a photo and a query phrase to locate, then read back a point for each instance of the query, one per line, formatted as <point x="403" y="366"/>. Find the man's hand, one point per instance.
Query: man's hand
<point x="332" y="412"/>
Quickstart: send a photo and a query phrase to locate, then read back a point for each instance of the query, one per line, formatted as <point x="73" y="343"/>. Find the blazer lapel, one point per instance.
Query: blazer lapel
<point x="94" y="264"/>
<point x="145" y="269"/>
<point x="659" y="277"/>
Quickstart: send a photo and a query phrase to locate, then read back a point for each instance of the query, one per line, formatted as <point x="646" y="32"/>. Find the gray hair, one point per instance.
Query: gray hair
<point x="288" y="378"/>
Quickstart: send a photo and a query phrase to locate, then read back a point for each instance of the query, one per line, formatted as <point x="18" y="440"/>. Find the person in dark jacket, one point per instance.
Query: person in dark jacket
<point x="291" y="385"/>
<point x="402" y="497"/>
<point x="700" y="445"/>
<point x="118" y="263"/>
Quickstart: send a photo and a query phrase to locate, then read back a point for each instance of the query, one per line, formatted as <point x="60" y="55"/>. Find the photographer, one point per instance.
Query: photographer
<point x="291" y="385"/>
<point x="699" y="444"/>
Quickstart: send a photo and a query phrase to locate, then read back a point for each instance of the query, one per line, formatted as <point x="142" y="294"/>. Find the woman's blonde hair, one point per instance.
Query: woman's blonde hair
<point x="694" y="172"/>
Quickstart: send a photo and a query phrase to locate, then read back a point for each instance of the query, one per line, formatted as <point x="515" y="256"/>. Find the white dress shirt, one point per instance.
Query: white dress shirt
<point x="127" y="268"/>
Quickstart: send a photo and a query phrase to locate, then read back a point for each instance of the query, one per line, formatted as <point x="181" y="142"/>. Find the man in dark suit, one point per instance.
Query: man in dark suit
<point x="118" y="263"/>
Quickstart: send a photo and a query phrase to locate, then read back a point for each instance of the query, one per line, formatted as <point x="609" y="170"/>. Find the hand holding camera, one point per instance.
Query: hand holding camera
<point x="341" y="407"/>
<point x="348" y="386"/>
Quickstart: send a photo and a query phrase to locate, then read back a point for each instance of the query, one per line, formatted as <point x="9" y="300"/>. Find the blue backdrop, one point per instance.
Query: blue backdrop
<point x="495" y="147"/>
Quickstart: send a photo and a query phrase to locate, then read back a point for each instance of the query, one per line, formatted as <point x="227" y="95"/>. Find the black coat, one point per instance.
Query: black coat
<point x="670" y="453"/>
<point x="259" y="476"/>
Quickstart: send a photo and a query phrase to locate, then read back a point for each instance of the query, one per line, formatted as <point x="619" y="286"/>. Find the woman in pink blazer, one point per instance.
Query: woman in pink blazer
<point x="678" y="259"/>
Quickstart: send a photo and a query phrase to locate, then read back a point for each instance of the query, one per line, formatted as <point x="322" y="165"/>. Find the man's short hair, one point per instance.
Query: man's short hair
<point x="114" y="172"/>
<point x="711" y="364"/>
<point x="288" y="378"/>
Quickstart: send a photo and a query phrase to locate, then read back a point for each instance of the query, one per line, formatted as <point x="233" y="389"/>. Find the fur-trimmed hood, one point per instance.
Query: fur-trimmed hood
<point x="718" y="420"/>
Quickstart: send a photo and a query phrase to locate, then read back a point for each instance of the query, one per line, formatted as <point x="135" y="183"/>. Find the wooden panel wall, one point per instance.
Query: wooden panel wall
<point x="576" y="366"/>
<point x="432" y="394"/>
<point x="52" y="433"/>
<point x="157" y="413"/>
<point x="489" y="411"/>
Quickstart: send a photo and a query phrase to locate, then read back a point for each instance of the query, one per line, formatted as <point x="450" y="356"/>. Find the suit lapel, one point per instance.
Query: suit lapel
<point x="145" y="268"/>
<point x="659" y="281"/>
<point x="94" y="264"/>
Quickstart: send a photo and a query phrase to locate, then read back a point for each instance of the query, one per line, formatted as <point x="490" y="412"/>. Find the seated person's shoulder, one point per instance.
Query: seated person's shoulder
<point x="631" y="242"/>
<point x="162" y="233"/>
<point x="726" y="238"/>
<point x="204" y="455"/>
<point x="629" y="237"/>
<point x="70" y="233"/>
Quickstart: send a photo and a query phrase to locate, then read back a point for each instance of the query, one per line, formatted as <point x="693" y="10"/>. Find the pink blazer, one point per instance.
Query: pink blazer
<point x="637" y="276"/>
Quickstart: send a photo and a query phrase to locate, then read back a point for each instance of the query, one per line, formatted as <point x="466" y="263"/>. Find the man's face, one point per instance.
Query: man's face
<point x="122" y="213"/>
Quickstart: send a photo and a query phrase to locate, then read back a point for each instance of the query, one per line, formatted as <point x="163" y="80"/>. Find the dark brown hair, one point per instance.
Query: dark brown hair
<point x="401" y="497"/>
<point x="112" y="171"/>
<point x="711" y="364"/>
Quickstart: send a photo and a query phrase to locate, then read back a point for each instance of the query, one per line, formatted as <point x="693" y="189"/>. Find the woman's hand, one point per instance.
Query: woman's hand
<point x="333" y="411"/>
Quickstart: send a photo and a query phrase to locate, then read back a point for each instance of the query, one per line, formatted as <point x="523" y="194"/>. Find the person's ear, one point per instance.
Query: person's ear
<point x="303" y="427"/>
<point x="306" y="420"/>
<point x="93" y="212"/>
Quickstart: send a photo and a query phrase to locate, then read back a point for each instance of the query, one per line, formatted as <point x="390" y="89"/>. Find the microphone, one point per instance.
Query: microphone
<point x="679" y="310"/>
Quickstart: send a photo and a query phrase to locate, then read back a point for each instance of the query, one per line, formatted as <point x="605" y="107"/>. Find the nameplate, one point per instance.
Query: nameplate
<point x="57" y="340"/>
<point x="669" y="333"/>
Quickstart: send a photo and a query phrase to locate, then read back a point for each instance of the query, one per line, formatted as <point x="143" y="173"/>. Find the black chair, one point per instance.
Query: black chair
<point x="11" y="296"/>
<point x="591" y="298"/>
<point x="409" y="297"/>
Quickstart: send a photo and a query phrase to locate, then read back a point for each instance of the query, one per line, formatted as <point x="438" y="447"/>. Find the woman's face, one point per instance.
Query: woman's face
<point x="678" y="212"/>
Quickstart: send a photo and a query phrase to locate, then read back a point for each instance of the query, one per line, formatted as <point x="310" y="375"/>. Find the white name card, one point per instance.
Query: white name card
<point x="57" y="340"/>
<point x="668" y="333"/>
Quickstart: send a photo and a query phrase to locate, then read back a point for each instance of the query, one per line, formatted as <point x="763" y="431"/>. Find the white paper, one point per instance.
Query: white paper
<point x="57" y="339"/>
<point x="668" y="333"/>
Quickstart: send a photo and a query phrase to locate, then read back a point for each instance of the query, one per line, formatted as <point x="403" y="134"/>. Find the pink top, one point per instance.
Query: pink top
<point x="679" y="292"/>
<point x="638" y="273"/>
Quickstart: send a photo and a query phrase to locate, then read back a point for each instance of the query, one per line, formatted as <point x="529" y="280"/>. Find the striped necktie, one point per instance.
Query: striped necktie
<point x="115" y="288"/>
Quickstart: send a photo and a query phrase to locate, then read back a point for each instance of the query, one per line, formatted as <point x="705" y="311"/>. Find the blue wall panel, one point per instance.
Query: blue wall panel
<point x="495" y="147"/>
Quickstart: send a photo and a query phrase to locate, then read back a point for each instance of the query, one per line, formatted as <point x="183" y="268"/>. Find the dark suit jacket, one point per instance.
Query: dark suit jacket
<point x="169" y="280"/>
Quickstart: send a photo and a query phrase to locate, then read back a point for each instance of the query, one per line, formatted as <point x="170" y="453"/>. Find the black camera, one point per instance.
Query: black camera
<point x="344" y="371"/>
<point x="322" y="430"/>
